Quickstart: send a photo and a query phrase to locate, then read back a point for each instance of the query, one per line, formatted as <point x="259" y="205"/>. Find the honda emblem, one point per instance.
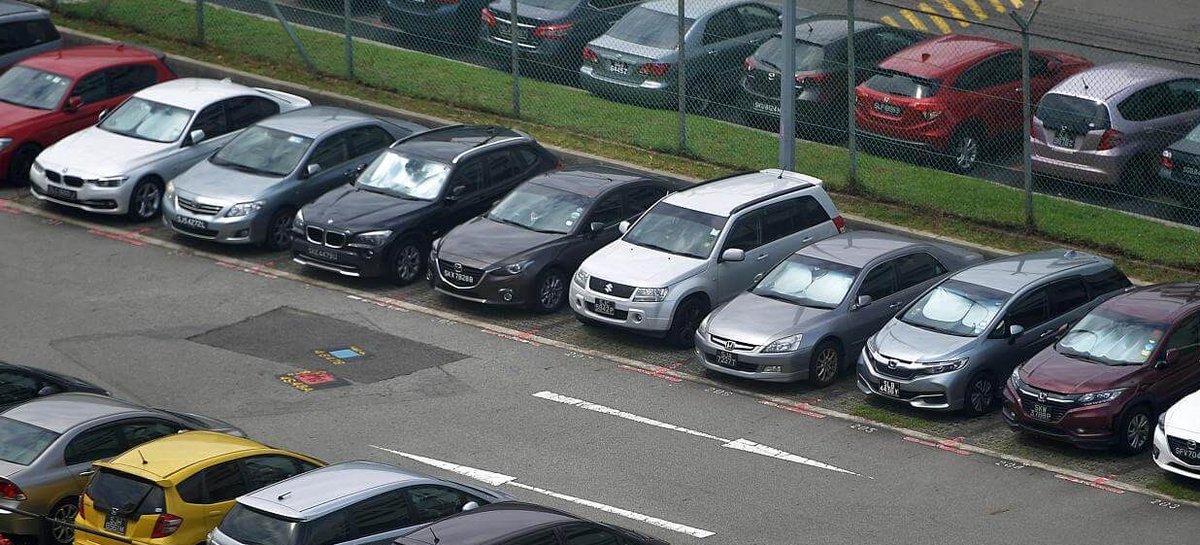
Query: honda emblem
<point x="1042" y="397"/>
<point x="891" y="364"/>
<point x="729" y="346"/>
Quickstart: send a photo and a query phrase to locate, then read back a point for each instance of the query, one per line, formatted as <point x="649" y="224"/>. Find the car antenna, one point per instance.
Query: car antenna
<point x="1085" y="83"/>
<point x="142" y="456"/>
<point x="284" y="495"/>
<point x="436" y="539"/>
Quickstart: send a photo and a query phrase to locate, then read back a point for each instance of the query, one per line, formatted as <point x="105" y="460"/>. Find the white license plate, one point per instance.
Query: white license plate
<point x="607" y="308"/>
<point x="115" y="524"/>
<point x="618" y="67"/>
<point x="1190" y="170"/>
<point x="1039" y="411"/>
<point x="889" y="388"/>
<point x="767" y="107"/>
<point x="727" y="359"/>
<point x="191" y="222"/>
<point x="1064" y="139"/>
<point x="1192" y="456"/>
<point x="890" y="109"/>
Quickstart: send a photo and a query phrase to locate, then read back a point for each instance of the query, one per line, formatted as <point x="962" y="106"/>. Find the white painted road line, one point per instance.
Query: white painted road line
<point x="498" y="479"/>
<point x="744" y="445"/>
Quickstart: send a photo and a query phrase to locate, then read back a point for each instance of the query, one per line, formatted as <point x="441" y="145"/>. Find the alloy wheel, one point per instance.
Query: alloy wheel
<point x="981" y="395"/>
<point x="550" y="293"/>
<point x="827" y="365"/>
<point x="65" y="513"/>
<point x="966" y="153"/>
<point x="280" y="231"/>
<point x="146" y="200"/>
<point x="408" y="263"/>
<point x="1137" y="433"/>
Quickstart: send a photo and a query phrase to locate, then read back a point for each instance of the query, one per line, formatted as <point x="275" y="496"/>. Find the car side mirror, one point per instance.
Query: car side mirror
<point x="455" y="193"/>
<point x="1168" y="359"/>
<point x="862" y="301"/>
<point x="1062" y="330"/>
<point x="1014" y="332"/>
<point x="595" y="227"/>
<point x="623" y="227"/>
<point x="733" y="254"/>
<point x="74" y="103"/>
<point x="196" y="136"/>
<point x="470" y="506"/>
<point x="312" y="169"/>
<point x="48" y="390"/>
<point x="1053" y="66"/>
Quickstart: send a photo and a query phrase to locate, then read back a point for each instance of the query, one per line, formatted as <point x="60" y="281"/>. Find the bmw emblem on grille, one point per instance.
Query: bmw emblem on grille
<point x="729" y="346"/>
<point x="608" y="288"/>
<point x="1042" y="397"/>
<point x="1191" y="445"/>
<point x="458" y="267"/>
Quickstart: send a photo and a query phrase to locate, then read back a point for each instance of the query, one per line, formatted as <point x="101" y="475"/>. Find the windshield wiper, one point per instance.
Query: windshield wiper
<point x="662" y="249"/>
<point x="383" y="191"/>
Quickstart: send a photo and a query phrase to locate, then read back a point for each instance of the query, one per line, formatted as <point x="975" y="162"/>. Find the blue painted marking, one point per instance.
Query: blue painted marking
<point x="344" y="354"/>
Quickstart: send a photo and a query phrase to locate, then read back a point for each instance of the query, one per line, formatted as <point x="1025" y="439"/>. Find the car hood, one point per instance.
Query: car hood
<point x="616" y="45"/>
<point x="222" y="183"/>
<point x="97" y="152"/>
<point x="1185" y="415"/>
<point x="1054" y="372"/>
<point x="632" y="265"/>
<point x="758" y="320"/>
<point x="904" y="342"/>
<point x="481" y="243"/>
<point x="360" y="210"/>
<point x="12" y="115"/>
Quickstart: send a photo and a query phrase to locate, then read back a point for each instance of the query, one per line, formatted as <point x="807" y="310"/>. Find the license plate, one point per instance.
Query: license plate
<point x="607" y="308"/>
<point x="889" y="388"/>
<point x="727" y="359"/>
<point x="58" y="192"/>
<point x="504" y="31"/>
<point x="1038" y="411"/>
<point x="767" y="107"/>
<point x="188" y="221"/>
<point x="1190" y="170"/>
<point x="890" y="109"/>
<point x="458" y="277"/>
<point x="1064" y="139"/>
<point x="618" y="67"/>
<point x="1192" y="456"/>
<point x="327" y="255"/>
<point x="115" y="524"/>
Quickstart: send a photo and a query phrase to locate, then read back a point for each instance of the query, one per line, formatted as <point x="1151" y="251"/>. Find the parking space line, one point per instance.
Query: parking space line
<point x="499" y="479"/>
<point x="938" y="21"/>
<point x="954" y="12"/>
<point x="913" y="20"/>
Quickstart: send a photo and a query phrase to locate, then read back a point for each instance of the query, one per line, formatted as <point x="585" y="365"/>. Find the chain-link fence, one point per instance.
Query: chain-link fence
<point x="934" y="84"/>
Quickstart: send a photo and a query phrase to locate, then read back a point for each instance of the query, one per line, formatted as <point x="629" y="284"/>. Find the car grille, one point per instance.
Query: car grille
<point x="73" y="181"/>
<point x="610" y="288"/>
<point x="618" y="314"/>
<point x="882" y="368"/>
<point x="54" y="176"/>
<point x="444" y="265"/>
<point x="197" y="208"/>
<point x="731" y="345"/>
<point x="761" y="82"/>
<point x="1029" y="395"/>
<point x="333" y="239"/>
<point x="1179" y="445"/>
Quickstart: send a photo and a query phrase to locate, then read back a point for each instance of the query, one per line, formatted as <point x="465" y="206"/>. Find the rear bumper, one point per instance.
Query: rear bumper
<point x="648" y="93"/>
<point x="1092" y="168"/>
<point x="12" y="524"/>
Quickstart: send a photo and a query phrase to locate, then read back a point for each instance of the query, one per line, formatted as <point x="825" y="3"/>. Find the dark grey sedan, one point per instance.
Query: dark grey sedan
<point x="19" y="383"/>
<point x="250" y="190"/>
<point x="822" y="303"/>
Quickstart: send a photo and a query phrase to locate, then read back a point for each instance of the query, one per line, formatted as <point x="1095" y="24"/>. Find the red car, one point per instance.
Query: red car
<point x="952" y="94"/>
<point x="49" y="96"/>
<point x="1122" y="364"/>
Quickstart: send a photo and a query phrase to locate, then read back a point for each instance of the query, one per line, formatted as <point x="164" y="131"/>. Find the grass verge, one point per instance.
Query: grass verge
<point x="1176" y="488"/>
<point x="973" y="208"/>
<point x="892" y="418"/>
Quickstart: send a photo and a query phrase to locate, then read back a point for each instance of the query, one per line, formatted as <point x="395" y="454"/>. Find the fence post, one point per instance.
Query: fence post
<point x="787" y="89"/>
<point x="287" y="27"/>
<point x="200" y="22"/>
<point x="681" y="83"/>
<point x="347" y="15"/>
<point x="1026" y="114"/>
<point x="851" y="79"/>
<point x="514" y="51"/>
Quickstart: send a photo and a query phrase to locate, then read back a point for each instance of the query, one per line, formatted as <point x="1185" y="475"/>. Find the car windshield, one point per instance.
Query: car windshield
<point x="809" y="56"/>
<point x="1193" y="135"/>
<point x="147" y="120"/>
<point x="649" y="27"/>
<point x="261" y="150"/>
<point x="1078" y="115"/>
<point x="31" y="88"/>
<point x="676" y="230"/>
<point x="540" y="208"/>
<point x="808" y="281"/>
<point x="124" y="493"/>
<point x="956" y="308"/>
<point x="403" y="176"/>
<point x="22" y="443"/>
<point x="900" y="84"/>
<point x="1111" y="338"/>
<point x="251" y="526"/>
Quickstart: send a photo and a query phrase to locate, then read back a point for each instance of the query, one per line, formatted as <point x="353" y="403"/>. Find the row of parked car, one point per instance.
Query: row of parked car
<point x="119" y="471"/>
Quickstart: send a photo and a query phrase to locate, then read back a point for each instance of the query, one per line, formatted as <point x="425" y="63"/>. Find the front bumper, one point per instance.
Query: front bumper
<point x="88" y="197"/>
<point x="513" y="290"/>
<point x="653" y="318"/>
<point x="941" y="392"/>
<point x="1085" y="427"/>
<point x="793" y="366"/>
<point x="1167" y="461"/>
<point x="240" y="230"/>
<point x="649" y="93"/>
<point x="347" y="261"/>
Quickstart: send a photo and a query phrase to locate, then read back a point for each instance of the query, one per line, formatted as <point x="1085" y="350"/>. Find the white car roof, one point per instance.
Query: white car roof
<point x="721" y="197"/>
<point x="195" y="93"/>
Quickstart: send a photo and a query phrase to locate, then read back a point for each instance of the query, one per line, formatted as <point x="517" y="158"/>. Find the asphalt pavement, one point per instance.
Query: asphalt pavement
<point x="674" y="459"/>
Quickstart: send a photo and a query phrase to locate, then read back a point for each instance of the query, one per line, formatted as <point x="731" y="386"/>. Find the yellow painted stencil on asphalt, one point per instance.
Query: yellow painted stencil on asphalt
<point x="956" y="13"/>
<point x="1017" y="3"/>
<point x="889" y="20"/>
<point x="914" y="20"/>
<point x="999" y="6"/>
<point x="977" y="9"/>
<point x="926" y="14"/>
<point x="938" y="21"/>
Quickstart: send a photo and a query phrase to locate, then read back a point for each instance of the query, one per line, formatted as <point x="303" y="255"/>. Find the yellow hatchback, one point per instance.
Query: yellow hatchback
<point x="174" y="490"/>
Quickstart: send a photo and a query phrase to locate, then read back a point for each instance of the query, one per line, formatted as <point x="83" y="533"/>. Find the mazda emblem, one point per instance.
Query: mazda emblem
<point x="1191" y="445"/>
<point x="1042" y="397"/>
<point x="328" y="222"/>
<point x="458" y="267"/>
<point x="771" y="76"/>
<point x="891" y="364"/>
<point x="729" y="346"/>
<point x="608" y="288"/>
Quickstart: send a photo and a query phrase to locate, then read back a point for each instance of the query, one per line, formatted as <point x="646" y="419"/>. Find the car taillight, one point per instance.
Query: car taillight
<point x="1033" y="132"/>
<point x="1109" y="140"/>
<point x="5" y="540"/>
<point x="558" y="166"/>
<point x="488" y="18"/>
<point x="590" y="56"/>
<point x="811" y="78"/>
<point x="10" y="491"/>
<point x="1167" y="162"/>
<point x="840" y="223"/>
<point x="82" y="509"/>
<point x="749" y="64"/>
<point x="656" y="69"/>
<point x="166" y="525"/>
<point x="553" y="32"/>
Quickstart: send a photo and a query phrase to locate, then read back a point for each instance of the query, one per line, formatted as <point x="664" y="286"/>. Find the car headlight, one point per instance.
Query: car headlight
<point x="791" y="343"/>
<point x="649" y="295"/>
<point x="1162" y="423"/>
<point x="298" y="221"/>
<point x="169" y="192"/>
<point x="244" y="209"/>
<point x="5" y="143"/>
<point x="38" y="168"/>
<point x="109" y="181"/>
<point x="581" y="278"/>
<point x="1015" y="378"/>
<point x="939" y="367"/>
<point x="513" y="268"/>
<point x="1096" y="398"/>
<point x="370" y="239"/>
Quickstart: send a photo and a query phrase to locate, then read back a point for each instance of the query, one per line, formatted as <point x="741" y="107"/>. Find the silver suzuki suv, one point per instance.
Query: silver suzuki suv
<point x="698" y="248"/>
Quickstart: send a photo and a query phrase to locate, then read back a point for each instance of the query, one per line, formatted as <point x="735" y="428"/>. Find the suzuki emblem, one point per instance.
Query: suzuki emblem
<point x="116" y="510"/>
<point x="1191" y="445"/>
<point x="608" y="288"/>
<point x="729" y="346"/>
<point x="1042" y="397"/>
<point x="458" y="267"/>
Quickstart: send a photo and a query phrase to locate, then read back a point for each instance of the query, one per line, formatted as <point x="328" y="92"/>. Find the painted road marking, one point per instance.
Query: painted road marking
<point x="938" y="21"/>
<point x="999" y="6"/>
<point x="977" y="9"/>
<point x="498" y="479"/>
<point x="889" y="21"/>
<point x="954" y="12"/>
<point x="736" y="444"/>
<point x="1017" y="3"/>
<point x="914" y="20"/>
<point x="1098" y="483"/>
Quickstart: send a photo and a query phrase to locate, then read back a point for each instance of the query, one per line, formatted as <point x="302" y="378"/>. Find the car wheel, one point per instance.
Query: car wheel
<point x="146" y="201"/>
<point x="1138" y="176"/>
<point x="824" y="364"/>
<point x="279" y="230"/>
<point x="407" y="263"/>
<point x="699" y="99"/>
<point x="980" y="397"/>
<point x="22" y="161"/>
<point x="549" y="292"/>
<point x="1134" y="430"/>
<point x="685" y="321"/>
<point x="964" y="150"/>
<point x="64" y="511"/>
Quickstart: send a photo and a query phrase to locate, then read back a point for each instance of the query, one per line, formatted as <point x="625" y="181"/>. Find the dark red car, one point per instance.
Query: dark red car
<point x="49" y="96"/>
<point x="952" y="94"/>
<point x="1102" y="384"/>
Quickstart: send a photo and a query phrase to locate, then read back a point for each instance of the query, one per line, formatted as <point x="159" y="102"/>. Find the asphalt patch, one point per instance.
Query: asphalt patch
<point x="306" y="340"/>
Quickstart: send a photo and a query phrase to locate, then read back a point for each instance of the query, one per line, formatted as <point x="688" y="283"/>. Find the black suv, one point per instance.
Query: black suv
<point x="25" y="31"/>
<point x="417" y="189"/>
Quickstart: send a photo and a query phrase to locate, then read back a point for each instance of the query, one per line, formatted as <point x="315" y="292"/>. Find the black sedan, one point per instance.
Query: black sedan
<point x="1180" y="168"/>
<point x="524" y="250"/>
<point x="19" y="383"/>
<point x="514" y="522"/>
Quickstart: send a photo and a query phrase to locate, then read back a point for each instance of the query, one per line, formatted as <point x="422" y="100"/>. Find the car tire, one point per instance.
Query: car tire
<point x="980" y="397"/>
<point x="406" y="262"/>
<point x="22" y="161"/>
<point x="825" y="363"/>
<point x="964" y="150"/>
<point x="54" y="534"/>
<point x="145" y="201"/>
<point x="1135" y="429"/>
<point x="549" y="292"/>
<point x="279" y="230"/>
<point x="684" y="322"/>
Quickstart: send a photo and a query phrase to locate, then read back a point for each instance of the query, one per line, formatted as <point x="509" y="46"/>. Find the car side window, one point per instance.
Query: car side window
<point x="367" y="140"/>
<point x="92" y="87"/>
<point x="269" y="469"/>
<point x="17" y="386"/>
<point x="526" y="158"/>
<point x="1186" y="337"/>
<point x="211" y="120"/>
<point x="587" y="534"/>
<point x="641" y="199"/>
<point x="95" y="444"/>
<point x="778" y="221"/>
<point x="808" y="213"/>
<point x="1067" y="295"/>
<point x="746" y="232"/>
<point x="1029" y="311"/>
<point x="502" y="166"/>
<point x="1184" y="96"/>
<point x="1144" y="105"/>
<point x="915" y="268"/>
<point x="245" y="111"/>
<point x="18" y="35"/>
<point x="385" y="512"/>
<point x="722" y="26"/>
<point x="609" y="210"/>
<point x="470" y="175"/>
<point x="124" y="80"/>
<point x="330" y="529"/>
<point x="757" y="18"/>
<point x="434" y="502"/>
<point x="143" y="431"/>
<point x="544" y="537"/>
<point x="880" y="282"/>
<point x="330" y="152"/>
<point x="1039" y="66"/>
<point x="224" y="482"/>
<point x="1106" y="281"/>
<point x="997" y="70"/>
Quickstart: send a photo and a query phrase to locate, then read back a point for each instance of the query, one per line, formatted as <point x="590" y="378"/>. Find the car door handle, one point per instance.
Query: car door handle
<point x="761" y="257"/>
<point x="897" y="304"/>
<point x="87" y="473"/>
<point x="1046" y="333"/>
<point x="806" y="240"/>
<point x="712" y="51"/>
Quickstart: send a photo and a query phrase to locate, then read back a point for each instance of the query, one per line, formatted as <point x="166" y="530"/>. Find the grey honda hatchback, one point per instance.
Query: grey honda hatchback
<point x="801" y="320"/>
<point x="953" y="348"/>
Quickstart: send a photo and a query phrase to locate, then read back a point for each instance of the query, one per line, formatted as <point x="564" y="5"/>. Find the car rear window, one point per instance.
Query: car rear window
<point x="649" y="28"/>
<point x="127" y="494"/>
<point x="1079" y="115"/>
<point x="809" y="56"/>
<point x="22" y="443"/>
<point x="900" y="84"/>
<point x="246" y="525"/>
